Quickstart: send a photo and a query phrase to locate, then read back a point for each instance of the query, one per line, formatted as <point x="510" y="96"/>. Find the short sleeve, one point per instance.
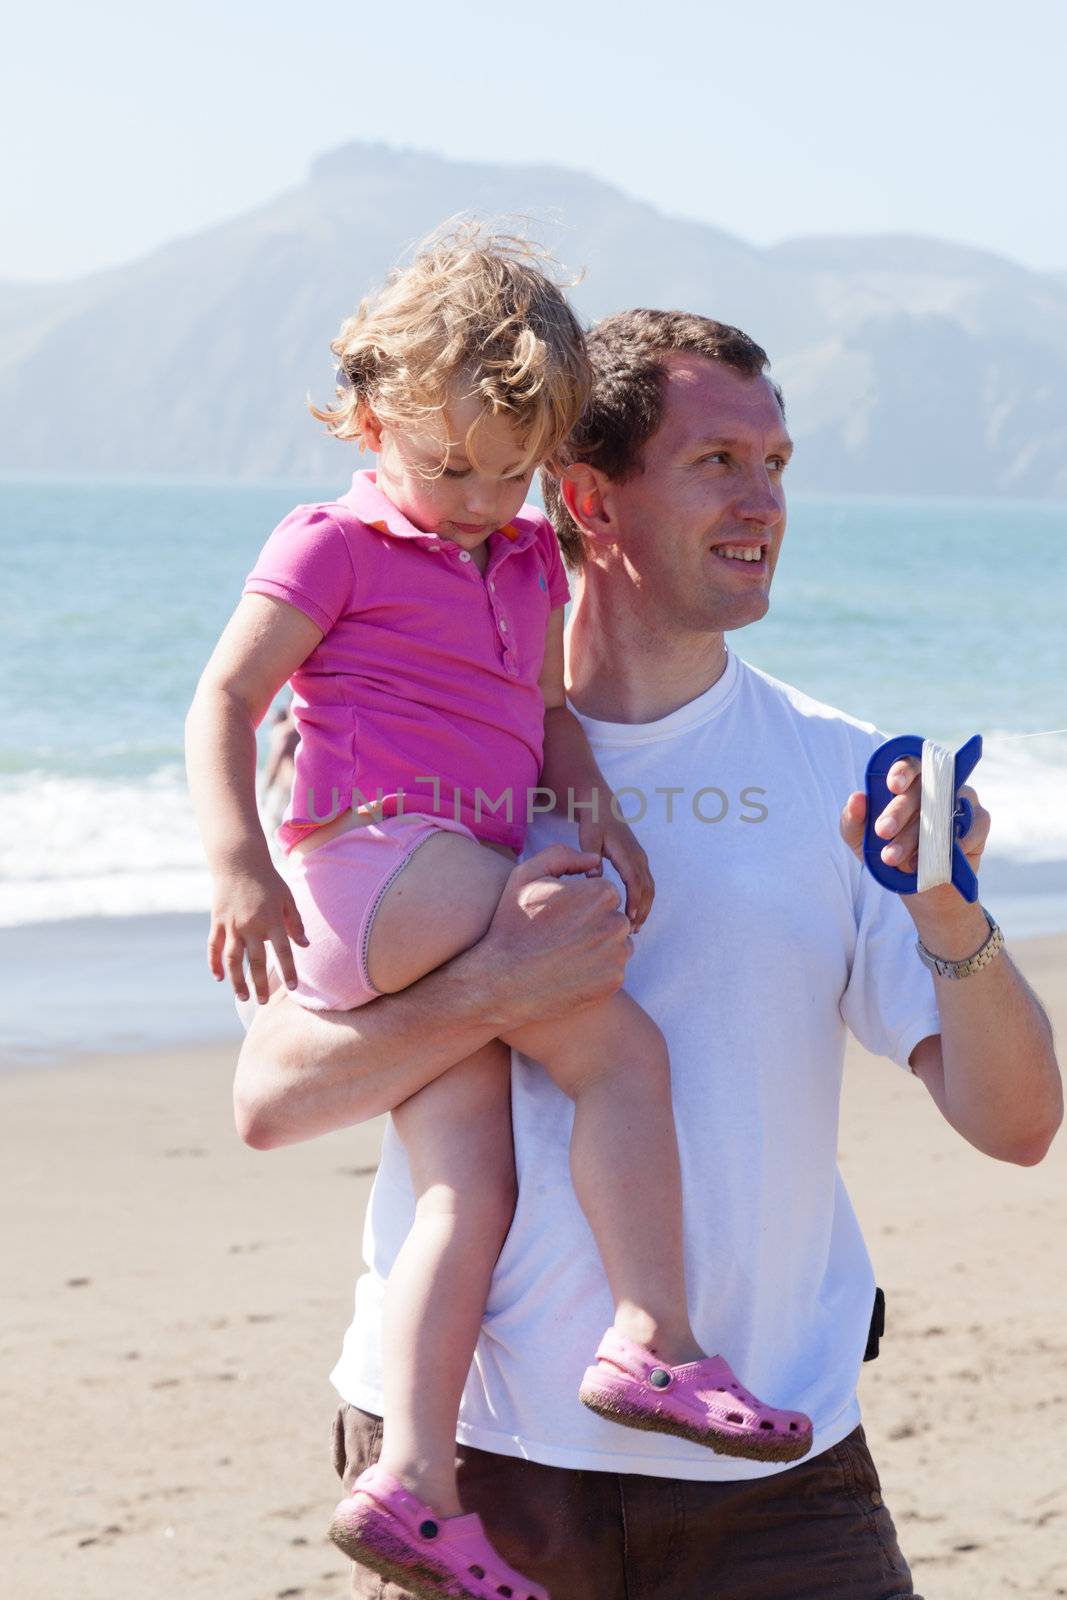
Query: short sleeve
<point x="559" y="591"/>
<point x="889" y="1002"/>
<point x="306" y="562"/>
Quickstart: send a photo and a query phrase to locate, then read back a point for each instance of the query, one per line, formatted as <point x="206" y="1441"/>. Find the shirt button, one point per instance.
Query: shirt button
<point x="492" y="585"/>
<point x="503" y="624"/>
<point x="512" y="668"/>
<point x="464" y="555"/>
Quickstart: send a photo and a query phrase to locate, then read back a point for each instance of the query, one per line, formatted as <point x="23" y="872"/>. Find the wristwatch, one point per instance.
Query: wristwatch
<point x="988" y="952"/>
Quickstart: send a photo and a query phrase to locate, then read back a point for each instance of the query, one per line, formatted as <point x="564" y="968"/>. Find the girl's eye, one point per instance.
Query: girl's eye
<point x="456" y="472"/>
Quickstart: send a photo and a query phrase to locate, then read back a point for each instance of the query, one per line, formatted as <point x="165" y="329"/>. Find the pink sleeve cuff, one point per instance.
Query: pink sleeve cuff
<point x="292" y="596"/>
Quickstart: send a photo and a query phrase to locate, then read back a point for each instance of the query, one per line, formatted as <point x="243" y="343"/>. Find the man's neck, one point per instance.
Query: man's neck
<point x="622" y="668"/>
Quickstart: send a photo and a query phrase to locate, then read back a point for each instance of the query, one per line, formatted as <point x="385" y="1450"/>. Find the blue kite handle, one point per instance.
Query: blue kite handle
<point x="879" y="795"/>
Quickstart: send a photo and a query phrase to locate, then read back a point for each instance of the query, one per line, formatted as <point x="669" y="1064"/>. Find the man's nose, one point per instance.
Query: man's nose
<point x="761" y="500"/>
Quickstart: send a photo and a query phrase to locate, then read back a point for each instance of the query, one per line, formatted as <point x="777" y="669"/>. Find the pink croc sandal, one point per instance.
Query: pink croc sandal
<point x="701" y="1400"/>
<point x="382" y="1526"/>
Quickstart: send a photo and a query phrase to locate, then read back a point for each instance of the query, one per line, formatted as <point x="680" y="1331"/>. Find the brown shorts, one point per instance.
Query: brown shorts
<point x="817" y="1531"/>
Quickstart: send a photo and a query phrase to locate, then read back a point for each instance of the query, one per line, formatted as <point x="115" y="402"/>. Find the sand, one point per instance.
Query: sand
<point x="174" y="1302"/>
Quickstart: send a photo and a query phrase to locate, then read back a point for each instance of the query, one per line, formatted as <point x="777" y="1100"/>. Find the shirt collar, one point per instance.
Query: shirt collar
<point x="377" y="511"/>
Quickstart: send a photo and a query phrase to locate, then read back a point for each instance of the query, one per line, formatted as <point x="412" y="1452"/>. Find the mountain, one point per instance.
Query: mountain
<point x="909" y="365"/>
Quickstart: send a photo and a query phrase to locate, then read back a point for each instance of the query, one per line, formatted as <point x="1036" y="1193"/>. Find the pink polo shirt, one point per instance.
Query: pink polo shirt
<point x="422" y="694"/>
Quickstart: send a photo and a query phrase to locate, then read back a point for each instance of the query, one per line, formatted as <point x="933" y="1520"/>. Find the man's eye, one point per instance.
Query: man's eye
<point x="778" y="463"/>
<point x="715" y="456"/>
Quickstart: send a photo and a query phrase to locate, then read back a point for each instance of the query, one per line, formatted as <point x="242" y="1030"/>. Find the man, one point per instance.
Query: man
<point x="767" y="942"/>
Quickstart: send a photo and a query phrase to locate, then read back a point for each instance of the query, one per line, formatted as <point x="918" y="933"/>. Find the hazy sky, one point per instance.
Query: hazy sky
<point x="126" y="122"/>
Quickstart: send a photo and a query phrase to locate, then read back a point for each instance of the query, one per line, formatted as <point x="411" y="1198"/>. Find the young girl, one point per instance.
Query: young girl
<point x="420" y="621"/>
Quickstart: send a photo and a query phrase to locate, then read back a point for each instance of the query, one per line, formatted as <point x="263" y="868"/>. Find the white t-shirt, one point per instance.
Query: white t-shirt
<point x="766" y="943"/>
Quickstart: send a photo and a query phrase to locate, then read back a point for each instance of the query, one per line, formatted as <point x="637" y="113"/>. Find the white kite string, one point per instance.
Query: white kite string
<point x="937" y="803"/>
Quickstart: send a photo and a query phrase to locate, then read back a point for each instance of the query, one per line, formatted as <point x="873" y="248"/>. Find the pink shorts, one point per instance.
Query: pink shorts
<point x="338" y="888"/>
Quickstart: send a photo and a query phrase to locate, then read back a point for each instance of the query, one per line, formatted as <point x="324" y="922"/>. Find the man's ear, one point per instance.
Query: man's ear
<point x="583" y="490"/>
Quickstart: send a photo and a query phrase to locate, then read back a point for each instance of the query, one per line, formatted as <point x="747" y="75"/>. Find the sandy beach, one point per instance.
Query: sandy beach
<point x="174" y="1303"/>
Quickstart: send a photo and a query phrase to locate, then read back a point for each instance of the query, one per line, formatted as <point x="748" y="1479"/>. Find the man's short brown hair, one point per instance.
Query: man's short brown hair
<point x="625" y="406"/>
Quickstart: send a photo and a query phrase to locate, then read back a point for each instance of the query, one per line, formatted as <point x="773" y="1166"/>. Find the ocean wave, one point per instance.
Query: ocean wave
<point x="75" y="847"/>
<point x="1023" y="785"/>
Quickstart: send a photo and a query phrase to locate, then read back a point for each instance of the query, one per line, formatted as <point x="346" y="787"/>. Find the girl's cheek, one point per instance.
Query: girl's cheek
<point x="428" y="507"/>
<point x="512" y="510"/>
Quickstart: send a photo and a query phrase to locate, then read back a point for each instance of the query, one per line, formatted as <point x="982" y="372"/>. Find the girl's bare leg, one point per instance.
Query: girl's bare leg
<point x="457" y="1134"/>
<point x="612" y="1061"/>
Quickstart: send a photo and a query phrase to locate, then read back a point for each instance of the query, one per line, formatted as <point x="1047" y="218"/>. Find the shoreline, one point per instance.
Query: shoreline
<point x="82" y="985"/>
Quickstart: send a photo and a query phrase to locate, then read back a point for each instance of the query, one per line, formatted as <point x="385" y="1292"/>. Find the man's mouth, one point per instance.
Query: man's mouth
<point x="751" y="556"/>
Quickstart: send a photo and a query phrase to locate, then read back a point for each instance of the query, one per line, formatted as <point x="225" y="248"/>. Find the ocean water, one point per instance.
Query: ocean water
<point x="938" y="617"/>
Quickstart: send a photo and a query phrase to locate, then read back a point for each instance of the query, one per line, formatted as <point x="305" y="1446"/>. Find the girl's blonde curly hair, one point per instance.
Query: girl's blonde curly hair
<point x="474" y="309"/>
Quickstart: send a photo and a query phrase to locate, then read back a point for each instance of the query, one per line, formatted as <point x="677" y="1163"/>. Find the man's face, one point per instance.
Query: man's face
<point x="701" y="526"/>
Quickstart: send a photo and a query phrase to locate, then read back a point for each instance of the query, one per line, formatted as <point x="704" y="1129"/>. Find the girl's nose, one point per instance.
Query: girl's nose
<point x="481" y="499"/>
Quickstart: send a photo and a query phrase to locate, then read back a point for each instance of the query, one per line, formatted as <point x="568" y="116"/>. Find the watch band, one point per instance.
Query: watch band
<point x="982" y="957"/>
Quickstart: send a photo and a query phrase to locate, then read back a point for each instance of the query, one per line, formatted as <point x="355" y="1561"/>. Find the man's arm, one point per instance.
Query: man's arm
<point x="992" y="1070"/>
<point x="552" y="947"/>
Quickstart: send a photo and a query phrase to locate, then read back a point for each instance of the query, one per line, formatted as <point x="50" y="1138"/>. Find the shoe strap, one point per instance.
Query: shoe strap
<point x="630" y="1357"/>
<point x="391" y="1495"/>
